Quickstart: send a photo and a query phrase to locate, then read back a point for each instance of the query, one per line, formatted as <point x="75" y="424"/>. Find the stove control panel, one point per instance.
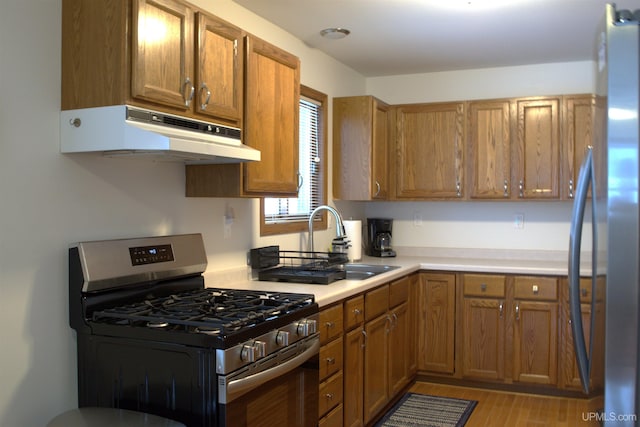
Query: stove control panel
<point x="142" y="255"/>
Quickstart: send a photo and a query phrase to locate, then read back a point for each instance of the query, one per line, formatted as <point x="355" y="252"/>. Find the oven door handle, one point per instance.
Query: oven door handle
<point x="237" y="388"/>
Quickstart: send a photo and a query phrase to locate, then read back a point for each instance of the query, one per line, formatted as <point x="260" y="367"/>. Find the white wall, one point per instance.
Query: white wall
<point x="50" y="201"/>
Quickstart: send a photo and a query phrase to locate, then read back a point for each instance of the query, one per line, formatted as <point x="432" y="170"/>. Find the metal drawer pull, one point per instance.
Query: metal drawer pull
<point x="377" y="189"/>
<point x="483" y="287"/>
<point x="329" y="396"/>
<point x="534" y="289"/>
<point x="331" y="360"/>
<point x="357" y="312"/>
<point x="506" y="188"/>
<point x="330" y="324"/>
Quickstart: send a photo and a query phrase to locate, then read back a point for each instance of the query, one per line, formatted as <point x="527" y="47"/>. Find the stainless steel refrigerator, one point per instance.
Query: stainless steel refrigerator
<point x="607" y="197"/>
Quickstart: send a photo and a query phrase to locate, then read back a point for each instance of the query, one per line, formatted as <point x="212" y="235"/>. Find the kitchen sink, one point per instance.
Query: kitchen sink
<point x="366" y="271"/>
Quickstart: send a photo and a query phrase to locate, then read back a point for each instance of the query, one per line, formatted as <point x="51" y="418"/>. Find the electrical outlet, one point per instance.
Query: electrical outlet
<point x="417" y="219"/>
<point x="518" y="221"/>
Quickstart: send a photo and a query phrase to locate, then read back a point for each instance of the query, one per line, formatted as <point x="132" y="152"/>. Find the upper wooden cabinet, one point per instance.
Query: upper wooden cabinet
<point x="271" y="115"/>
<point x="272" y="98"/>
<point x="220" y="68"/>
<point x="429" y="151"/>
<point x="536" y="155"/>
<point x="578" y="134"/>
<point x="489" y="148"/>
<point x="158" y="54"/>
<point x="360" y="148"/>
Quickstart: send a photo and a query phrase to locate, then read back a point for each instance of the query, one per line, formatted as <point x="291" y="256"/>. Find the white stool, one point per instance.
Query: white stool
<point x="110" y="417"/>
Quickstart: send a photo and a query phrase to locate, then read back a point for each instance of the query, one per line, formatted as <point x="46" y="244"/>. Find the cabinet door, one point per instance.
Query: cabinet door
<point x="536" y="173"/>
<point x="578" y="134"/>
<point x="376" y="378"/>
<point x="162" y="51"/>
<point x="398" y="354"/>
<point x="380" y="152"/>
<point x="272" y="97"/>
<point x="436" y="323"/>
<point x="429" y="151"/>
<point x="535" y="342"/>
<point x="360" y="148"/>
<point x="483" y="332"/>
<point x="489" y="148"/>
<point x="219" y="68"/>
<point x="353" y="378"/>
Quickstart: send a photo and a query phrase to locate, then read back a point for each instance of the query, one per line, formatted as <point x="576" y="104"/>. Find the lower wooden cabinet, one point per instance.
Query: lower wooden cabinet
<point x="436" y="293"/>
<point x="483" y="327"/>
<point x="330" y="325"/>
<point x="378" y="354"/>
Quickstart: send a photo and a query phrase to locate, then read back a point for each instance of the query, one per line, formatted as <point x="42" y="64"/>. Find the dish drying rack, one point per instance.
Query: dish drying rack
<point x="298" y="266"/>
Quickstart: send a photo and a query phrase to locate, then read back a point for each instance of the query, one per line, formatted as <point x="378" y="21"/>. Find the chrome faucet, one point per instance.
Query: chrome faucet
<point x="340" y="243"/>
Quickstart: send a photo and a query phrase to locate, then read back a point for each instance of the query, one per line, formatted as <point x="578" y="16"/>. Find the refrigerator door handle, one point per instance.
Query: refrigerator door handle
<point x="585" y="177"/>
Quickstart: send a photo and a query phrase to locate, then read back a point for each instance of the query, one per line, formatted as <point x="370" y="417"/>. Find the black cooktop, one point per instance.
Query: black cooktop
<point x="212" y="312"/>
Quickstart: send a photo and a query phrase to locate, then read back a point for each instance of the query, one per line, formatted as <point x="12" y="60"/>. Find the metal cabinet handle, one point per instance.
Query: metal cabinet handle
<point x="518" y="311"/>
<point x="357" y="312"/>
<point x="329" y="396"/>
<point x="330" y="324"/>
<point x="501" y="308"/>
<point x="205" y="103"/>
<point x="364" y="338"/>
<point x="458" y="189"/>
<point x="571" y="189"/>
<point x="483" y="287"/>
<point x="521" y="188"/>
<point x="506" y="188"/>
<point x="188" y="87"/>
<point x="331" y="360"/>
<point x="300" y="180"/>
<point x="378" y="188"/>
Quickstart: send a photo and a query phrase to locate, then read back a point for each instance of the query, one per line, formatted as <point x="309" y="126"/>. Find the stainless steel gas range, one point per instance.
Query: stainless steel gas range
<point x="151" y="337"/>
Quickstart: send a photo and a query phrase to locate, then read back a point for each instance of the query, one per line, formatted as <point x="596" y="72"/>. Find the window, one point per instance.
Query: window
<point x="289" y="215"/>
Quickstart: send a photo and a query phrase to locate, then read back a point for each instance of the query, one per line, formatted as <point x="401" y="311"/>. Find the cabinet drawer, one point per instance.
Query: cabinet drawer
<point x="484" y="285"/>
<point x="353" y="312"/>
<point x="376" y="302"/>
<point x="330" y="358"/>
<point x="330" y="394"/>
<point x="536" y="288"/>
<point x="333" y="418"/>
<point x="330" y="323"/>
<point x="399" y="292"/>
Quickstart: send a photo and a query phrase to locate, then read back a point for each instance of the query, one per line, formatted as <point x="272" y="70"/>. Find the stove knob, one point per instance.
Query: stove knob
<point x="253" y="351"/>
<point x="282" y="338"/>
<point x="306" y="327"/>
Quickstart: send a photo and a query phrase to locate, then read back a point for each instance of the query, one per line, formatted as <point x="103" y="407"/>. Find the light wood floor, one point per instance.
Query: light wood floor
<point x="500" y="408"/>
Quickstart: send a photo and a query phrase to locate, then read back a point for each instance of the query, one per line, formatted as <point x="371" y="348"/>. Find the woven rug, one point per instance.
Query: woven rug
<point x="426" y="410"/>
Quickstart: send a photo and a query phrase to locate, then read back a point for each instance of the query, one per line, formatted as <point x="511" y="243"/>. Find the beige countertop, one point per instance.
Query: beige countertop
<point x="552" y="263"/>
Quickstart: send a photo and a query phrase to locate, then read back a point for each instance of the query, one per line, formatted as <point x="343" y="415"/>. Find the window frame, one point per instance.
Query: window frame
<point x="320" y="221"/>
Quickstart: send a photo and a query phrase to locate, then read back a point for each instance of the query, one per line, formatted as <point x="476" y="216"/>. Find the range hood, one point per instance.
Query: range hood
<point x="124" y="130"/>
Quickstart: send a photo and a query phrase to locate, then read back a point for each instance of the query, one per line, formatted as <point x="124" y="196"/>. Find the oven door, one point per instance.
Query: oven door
<point x="279" y="390"/>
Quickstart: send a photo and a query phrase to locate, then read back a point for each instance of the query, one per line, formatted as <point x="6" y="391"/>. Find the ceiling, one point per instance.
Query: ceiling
<point x="394" y="37"/>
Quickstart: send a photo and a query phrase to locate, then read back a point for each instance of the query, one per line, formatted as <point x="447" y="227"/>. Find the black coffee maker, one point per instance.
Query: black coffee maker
<point x="379" y="237"/>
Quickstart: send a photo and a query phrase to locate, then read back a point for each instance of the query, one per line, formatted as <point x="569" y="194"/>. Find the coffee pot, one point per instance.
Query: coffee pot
<point x="379" y="237"/>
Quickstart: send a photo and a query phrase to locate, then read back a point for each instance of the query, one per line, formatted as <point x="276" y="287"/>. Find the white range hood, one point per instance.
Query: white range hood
<point x="123" y="130"/>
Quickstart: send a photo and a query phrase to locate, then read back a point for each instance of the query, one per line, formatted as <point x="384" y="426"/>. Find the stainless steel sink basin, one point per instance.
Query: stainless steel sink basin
<point x="366" y="271"/>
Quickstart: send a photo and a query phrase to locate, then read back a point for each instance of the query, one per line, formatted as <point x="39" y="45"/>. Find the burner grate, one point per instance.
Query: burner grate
<point x="210" y="311"/>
